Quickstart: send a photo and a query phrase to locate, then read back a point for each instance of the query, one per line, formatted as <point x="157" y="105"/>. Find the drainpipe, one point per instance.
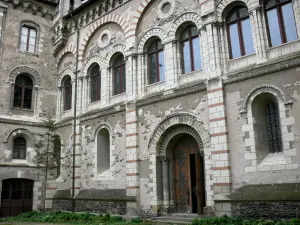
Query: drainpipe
<point x="75" y="119"/>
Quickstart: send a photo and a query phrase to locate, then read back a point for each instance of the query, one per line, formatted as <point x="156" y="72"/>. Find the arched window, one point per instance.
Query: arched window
<point x="119" y="77"/>
<point x="19" y="148"/>
<point x="67" y="91"/>
<point x="267" y="129"/>
<point x="156" y="62"/>
<point x="95" y="76"/>
<point x="239" y="33"/>
<point x="190" y="50"/>
<point x="103" y="151"/>
<point x="23" y="92"/>
<point x="28" y="39"/>
<point x="57" y="153"/>
<point x="280" y="21"/>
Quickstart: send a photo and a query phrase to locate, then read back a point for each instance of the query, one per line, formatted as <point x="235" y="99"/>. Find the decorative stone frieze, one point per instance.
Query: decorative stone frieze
<point x="153" y="32"/>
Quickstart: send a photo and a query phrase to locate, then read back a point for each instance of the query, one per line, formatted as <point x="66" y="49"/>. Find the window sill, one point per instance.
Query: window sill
<point x="118" y="95"/>
<point x="155" y="84"/>
<point x="20" y="161"/>
<point x="273" y="159"/>
<point x="106" y="175"/>
<point x="94" y="102"/>
<point x="28" y="53"/>
<point x="241" y="57"/>
<point x="22" y="109"/>
<point x="283" y="45"/>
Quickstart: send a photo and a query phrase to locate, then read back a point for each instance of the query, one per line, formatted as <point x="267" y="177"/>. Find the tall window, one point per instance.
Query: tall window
<point x="103" y="151"/>
<point x="67" y="89"/>
<point x="156" y="64"/>
<point x="119" y="77"/>
<point x="57" y="153"/>
<point x="239" y="32"/>
<point x="23" y="92"/>
<point x="273" y="127"/>
<point x="19" y="148"/>
<point x="28" y="39"/>
<point x="190" y="50"/>
<point x="95" y="75"/>
<point x="280" y="21"/>
<point x="266" y="124"/>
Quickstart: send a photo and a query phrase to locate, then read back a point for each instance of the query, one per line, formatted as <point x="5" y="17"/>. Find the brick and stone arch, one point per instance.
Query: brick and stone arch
<point x="173" y="125"/>
<point x="222" y="5"/>
<point x="108" y="174"/>
<point x="35" y="76"/>
<point x="153" y="32"/>
<point x="30" y="175"/>
<point x="116" y="49"/>
<point x="190" y="17"/>
<point x="96" y="59"/>
<point x="265" y="161"/>
<point x="110" y="18"/>
<point x="69" y="49"/>
<point x="30" y="142"/>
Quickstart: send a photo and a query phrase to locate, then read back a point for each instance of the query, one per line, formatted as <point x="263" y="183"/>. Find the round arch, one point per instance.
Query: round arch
<point x="153" y="32"/>
<point x="37" y="79"/>
<point x="30" y="140"/>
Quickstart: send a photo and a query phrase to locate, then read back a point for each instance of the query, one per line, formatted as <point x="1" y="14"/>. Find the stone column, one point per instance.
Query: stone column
<point x="170" y="76"/>
<point x="166" y="181"/>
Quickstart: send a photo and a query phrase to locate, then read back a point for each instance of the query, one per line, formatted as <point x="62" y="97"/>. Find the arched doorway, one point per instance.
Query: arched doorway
<point x="16" y="197"/>
<point x="188" y="176"/>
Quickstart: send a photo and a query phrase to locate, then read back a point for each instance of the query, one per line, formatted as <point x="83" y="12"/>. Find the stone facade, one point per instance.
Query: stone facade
<point x="214" y="105"/>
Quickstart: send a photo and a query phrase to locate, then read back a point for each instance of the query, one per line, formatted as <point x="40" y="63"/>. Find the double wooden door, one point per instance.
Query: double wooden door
<point x="16" y="197"/>
<point x="188" y="176"/>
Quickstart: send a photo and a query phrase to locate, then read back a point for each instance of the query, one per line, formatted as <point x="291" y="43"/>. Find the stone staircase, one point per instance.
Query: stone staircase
<point x="176" y="218"/>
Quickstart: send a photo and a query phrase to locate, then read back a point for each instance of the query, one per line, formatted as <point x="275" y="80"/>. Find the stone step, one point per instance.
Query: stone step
<point x="185" y="215"/>
<point x="176" y="218"/>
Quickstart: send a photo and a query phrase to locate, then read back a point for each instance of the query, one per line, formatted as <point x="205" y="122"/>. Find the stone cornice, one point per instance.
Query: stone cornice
<point x="267" y="68"/>
<point x="19" y="122"/>
<point x="102" y="112"/>
<point x="174" y="93"/>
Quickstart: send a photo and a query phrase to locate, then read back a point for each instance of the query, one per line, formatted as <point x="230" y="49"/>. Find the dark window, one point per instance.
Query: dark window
<point x="273" y="128"/>
<point x="67" y="93"/>
<point x="19" y="148"/>
<point x="190" y="50"/>
<point x="95" y="75"/>
<point x="28" y="39"/>
<point x="156" y="64"/>
<point x="280" y="22"/>
<point x="71" y="8"/>
<point x="23" y="92"/>
<point x="57" y="153"/>
<point x="239" y="33"/>
<point x="119" y="77"/>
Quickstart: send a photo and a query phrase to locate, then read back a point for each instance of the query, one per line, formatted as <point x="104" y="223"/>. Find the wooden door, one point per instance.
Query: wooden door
<point x="188" y="176"/>
<point x="16" y="197"/>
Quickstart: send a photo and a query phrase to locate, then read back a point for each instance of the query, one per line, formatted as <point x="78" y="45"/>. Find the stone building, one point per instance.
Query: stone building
<point x="167" y="106"/>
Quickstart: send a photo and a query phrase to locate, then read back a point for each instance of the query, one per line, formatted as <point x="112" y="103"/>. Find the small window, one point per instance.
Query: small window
<point x="95" y="76"/>
<point x="103" y="151"/>
<point x="57" y="154"/>
<point x="267" y="129"/>
<point x="156" y="64"/>
<point x="67" y="87"/>
<point x="28" y="39"/>
<point x="19" y="148"/>
<point x="119" y="77"/>
<point x="190" y="50"/>
<point x="239" y="33"/>
<point x="23" y="92"/>
<point x="280" y="22"/>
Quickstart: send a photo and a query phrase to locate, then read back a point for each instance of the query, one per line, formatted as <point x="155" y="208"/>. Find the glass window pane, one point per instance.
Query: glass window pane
<point x="234" y="41"/>
<point x="117" y="82"/>
<point x="185" y="35"/>
<point x="289" y="22"/>
<point x="274" y="27"/>
<point x="32" y="41"/>
<point x="93" y="89"/>
<point x="243" y="12"/>
<point x="232" y="17"/>
<point x="197" y="54"/>
<point x="152" y="47"/>
<point x="161" y="66"/>
<point x="123" y="78"/>
<point x="23" y="46"/>
<point x="159" y="45"/>
<point x="24" y="39"/>
<point x="33" y="33"/>
<point x="18" y="96"/>
<point x="27" y="98"/>
<point x="186" y="57"/>
<point x="194" y="31"/>
<point x="152" y="68"/>
<point x="247" y="35"/>
<point x="25" y="31"/>
<point x="270" y="3"/>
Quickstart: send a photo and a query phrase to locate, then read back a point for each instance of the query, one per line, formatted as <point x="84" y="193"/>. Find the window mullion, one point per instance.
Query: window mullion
<point x="281" y="24"/>
<point x="157" y="66"/>
<point x="240" y="33"/>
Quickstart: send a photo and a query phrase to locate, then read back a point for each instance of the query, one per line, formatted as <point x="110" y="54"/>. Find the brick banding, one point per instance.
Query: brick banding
<point x="131" y="147"/>
<point x="133" y="187"/>
<point x="223" y="184"/>
<point x="131" y="135"/>
<point x="217" y="119"/>
<point x="219" y="134"/>
<point x="222" y="168"/>
<point x="132" y="161"/>
<point x="132" y="174"/>
<point x="215" y="105"/>
<point x="217" y="89"/>
<point x="220" y="152"/>
<point x="132" y="122"/>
